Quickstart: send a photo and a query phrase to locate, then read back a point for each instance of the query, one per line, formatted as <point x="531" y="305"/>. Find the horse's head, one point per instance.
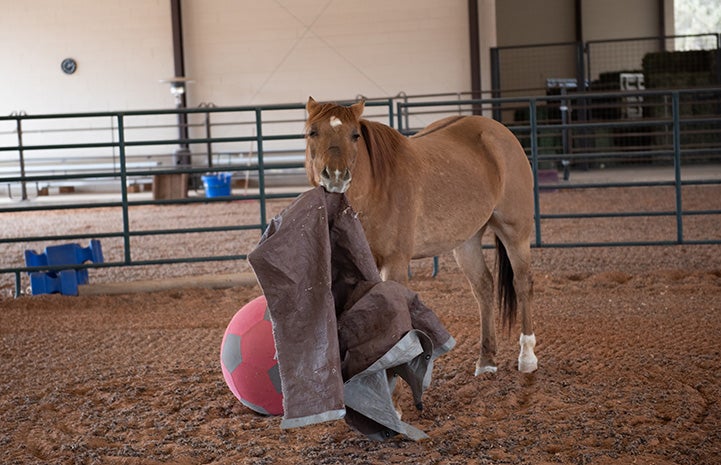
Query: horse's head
<point x="332" y="135"/>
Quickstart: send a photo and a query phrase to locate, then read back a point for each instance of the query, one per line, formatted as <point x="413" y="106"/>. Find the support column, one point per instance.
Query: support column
<point x="488" y="39"/>
<point x="182" y="154"/>
<point x="175" y="185"/>
<point x="475" y="47"/>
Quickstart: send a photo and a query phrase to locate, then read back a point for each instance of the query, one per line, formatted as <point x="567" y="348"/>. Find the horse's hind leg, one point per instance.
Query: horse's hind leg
<point x="469" y="257"/>
<point x="518" y="249"/>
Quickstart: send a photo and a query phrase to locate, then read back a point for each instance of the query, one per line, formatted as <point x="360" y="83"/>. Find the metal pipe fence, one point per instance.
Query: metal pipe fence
<point x="261" y="117"/>
<point x="679" y="136"/>
<point x="677" y="149"/>
<point x="522" y="70"/>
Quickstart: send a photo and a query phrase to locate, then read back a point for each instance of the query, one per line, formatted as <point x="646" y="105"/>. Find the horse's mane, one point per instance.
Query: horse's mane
<point x="384" y="145"/>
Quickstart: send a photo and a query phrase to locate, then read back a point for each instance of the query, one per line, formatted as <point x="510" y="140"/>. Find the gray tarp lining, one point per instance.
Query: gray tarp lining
<point x="341" y="333"/>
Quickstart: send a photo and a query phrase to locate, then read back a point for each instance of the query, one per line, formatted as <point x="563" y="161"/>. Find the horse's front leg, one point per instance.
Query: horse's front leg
<point x="395" y="269"/>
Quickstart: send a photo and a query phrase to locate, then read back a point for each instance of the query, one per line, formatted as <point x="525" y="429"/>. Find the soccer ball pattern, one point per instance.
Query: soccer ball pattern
<point x="248" y="359"/>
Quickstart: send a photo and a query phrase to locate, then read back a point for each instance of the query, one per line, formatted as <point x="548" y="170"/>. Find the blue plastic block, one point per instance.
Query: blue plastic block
<point x="64" y="282"/>
<point x="66" y="254"/>
<point x="32" y="258"/>
<point x="81" y="275"/>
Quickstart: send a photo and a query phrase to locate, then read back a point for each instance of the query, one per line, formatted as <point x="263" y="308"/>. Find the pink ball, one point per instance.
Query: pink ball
<point x="248" y="359"/>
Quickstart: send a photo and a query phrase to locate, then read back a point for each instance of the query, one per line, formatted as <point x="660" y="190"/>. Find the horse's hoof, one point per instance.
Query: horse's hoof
<point x="528" y="366"/>
<point x="480" y="369"/>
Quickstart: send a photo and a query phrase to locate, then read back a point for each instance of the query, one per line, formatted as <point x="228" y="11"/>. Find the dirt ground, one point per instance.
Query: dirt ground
<point x="628" y="348"/>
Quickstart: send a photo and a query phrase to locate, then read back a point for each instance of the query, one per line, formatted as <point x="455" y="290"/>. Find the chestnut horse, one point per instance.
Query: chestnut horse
<point x="436" y="191"/>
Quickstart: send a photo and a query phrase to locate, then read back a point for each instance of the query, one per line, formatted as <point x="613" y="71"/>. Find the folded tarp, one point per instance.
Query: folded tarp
<point x="342" y="334"/>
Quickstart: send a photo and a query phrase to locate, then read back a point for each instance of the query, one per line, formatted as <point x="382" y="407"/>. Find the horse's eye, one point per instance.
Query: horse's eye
<point x="355" y="136"/>
<point x="312" y="133"/>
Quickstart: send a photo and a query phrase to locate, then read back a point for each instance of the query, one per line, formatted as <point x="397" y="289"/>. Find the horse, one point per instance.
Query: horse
<point x="436" y="191"/>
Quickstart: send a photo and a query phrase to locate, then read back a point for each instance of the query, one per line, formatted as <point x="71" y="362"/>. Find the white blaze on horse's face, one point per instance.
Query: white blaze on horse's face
<point x="337" y="180"/>
<point x="332" y="146"/>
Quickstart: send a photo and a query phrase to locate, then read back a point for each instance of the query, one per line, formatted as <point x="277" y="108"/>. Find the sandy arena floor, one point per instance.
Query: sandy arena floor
<point x="628" y="347"/>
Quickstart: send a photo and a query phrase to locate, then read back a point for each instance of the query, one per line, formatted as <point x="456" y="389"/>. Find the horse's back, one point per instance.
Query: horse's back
<point x="472" y="131"/>
<point x="468" y="166"/>
<point x="493" y="139"/>
<point x="474" y="145"/>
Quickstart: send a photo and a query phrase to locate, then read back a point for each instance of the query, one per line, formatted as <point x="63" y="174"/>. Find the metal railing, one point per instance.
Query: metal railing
<point x="676" y="128"/>
<point x="674" y="131"/>
<point x="118" y="142"/>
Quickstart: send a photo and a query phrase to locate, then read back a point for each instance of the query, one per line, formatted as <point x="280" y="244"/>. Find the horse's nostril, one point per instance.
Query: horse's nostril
<point x="325" y="174"/>
<point x="346" y="175"/>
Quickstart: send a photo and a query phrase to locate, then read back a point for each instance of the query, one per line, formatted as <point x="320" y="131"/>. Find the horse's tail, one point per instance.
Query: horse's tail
<point x="506" y="291"/>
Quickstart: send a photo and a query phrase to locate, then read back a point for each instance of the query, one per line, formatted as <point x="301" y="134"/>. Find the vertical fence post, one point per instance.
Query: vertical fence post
<point x="21" y="154"/>
<point x="718" y="59"/>
<point x="391" y="116"/>
<point x="534" y="166"/>
<point x="403" y="111"/>
<point x="112" y="139"/>
<point x="675" y="112"/>
<point x="580" y="69"/>
<point x="496" y="82"/>
<point x="583" y="142"/>
<point x="18" y="285"/>
<point x="124" y="189"/>
<point x="208" y="144"/>
<point x="261" y="166"/>
<point x="399" y="112"/>
<point x="587" y="53"/>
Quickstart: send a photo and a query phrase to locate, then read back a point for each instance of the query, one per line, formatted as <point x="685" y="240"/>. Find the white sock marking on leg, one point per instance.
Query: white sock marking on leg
<point x="527" y="361"/>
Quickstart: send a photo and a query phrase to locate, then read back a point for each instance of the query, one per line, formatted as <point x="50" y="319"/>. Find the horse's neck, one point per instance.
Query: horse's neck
<point x="373" y="191"/>
<point x="361" y="192"/>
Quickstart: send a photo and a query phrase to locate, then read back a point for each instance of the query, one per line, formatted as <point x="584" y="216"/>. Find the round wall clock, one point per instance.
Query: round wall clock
<point x="69" y="66"/>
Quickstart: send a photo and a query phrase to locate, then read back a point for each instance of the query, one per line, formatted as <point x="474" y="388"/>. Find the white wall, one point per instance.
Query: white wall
<point x="122" y="47"/>
<point x="243" y="52"/>
<point x="237" y="51"/>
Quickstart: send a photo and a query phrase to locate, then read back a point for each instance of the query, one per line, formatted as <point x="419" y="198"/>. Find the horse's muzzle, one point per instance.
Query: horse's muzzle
<point x="336" y="180"/>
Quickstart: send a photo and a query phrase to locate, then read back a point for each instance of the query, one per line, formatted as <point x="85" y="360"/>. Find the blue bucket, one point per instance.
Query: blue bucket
<point x="217" y="185"/>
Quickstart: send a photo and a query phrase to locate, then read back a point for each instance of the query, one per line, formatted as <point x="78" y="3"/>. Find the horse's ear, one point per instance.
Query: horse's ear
<point x="312" y="106"/>
<point x="357" y="108"/>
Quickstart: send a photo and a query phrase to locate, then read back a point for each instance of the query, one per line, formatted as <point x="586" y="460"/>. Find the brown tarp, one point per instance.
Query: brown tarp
<point x="342" y="334"/>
